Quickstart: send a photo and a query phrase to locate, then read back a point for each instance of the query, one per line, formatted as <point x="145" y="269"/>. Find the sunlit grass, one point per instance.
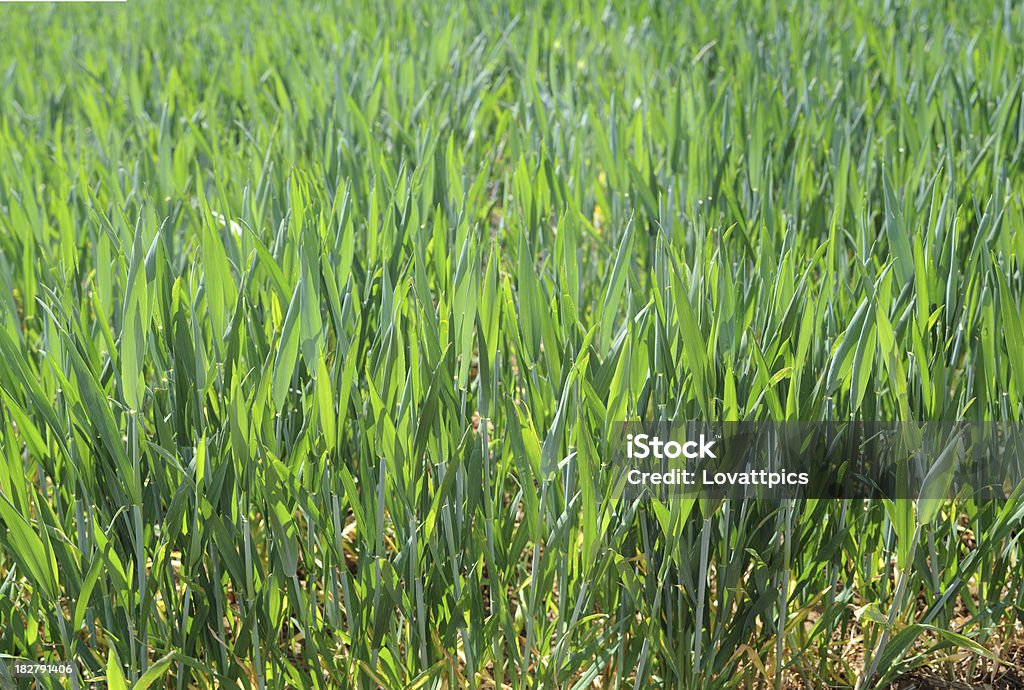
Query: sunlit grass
<point x="315" y="321"/>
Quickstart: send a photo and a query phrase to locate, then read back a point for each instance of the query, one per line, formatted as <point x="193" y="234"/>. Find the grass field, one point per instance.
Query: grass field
<point x="316" y="320"/>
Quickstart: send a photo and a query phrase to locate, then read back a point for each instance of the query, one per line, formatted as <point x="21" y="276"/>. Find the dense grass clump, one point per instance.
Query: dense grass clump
<point x="315" y="321"/>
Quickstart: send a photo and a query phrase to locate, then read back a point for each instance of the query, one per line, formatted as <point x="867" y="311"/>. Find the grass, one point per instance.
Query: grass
<point x="316" y="320"/>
